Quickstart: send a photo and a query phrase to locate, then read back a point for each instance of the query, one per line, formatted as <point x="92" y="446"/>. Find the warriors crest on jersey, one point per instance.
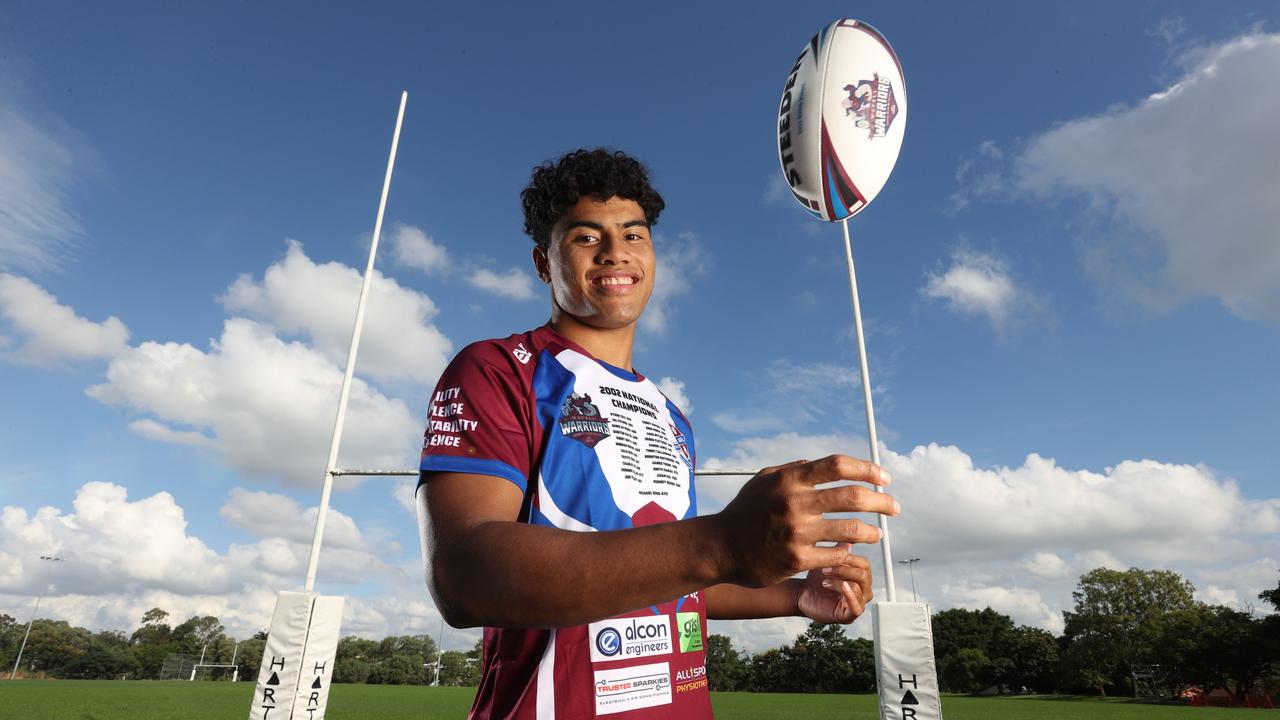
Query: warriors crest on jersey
<point x="581" y="420"/>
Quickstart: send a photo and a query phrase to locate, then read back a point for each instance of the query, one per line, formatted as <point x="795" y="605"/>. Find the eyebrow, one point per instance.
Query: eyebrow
<point x="592" y="225"/>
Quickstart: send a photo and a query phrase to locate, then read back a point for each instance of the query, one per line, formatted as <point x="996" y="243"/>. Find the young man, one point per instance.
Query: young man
<point x="558" y="483"/>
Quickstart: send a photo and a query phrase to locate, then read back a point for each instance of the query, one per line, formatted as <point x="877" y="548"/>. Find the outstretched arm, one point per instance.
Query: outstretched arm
<point x="488" y="569"/>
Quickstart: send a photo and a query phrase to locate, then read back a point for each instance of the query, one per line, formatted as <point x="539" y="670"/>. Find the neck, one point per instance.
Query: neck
<point x="612" y="345"/>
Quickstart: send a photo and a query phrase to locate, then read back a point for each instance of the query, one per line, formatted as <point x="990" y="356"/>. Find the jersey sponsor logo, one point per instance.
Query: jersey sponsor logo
<point x="581" y="420"/>
<point x="630" y="688"/>
<point x="689" y="625"/>
<point x="872" y="105"/>
<point x="609" y="642"/>
<point x="522" y="354"/>
<point x="626" y="638"/>
<point x="690" y="679"/>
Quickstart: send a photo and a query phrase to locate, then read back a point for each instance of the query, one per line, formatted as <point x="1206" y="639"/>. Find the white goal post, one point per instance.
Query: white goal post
<point x="235" y="669"/>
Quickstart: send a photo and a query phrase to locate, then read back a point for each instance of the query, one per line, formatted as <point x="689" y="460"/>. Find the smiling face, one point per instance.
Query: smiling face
<point x="600" y="263"/>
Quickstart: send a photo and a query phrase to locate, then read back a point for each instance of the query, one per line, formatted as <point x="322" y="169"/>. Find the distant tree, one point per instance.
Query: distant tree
<point x="399" y="670"/>
<point x="772" y="672"/>
<point x="196" y="634"/>
<point x="249" y="657"/>
<point x="1118" y="617"/>
<point x="823" y="659"/>
<point x="998" y="652"/>
<point x="106" y="656"/>
<point x="1026" y="657"/>
<point x="456" y="670"/>
<point x="727" y="669"/>
<point x="959" y="628"/>
<point x="154" y="630"/>
<point x="1272" y="596"/>
<point x="53" y="645"/>
<point x="10" y="637"/>
<point x="354" y="660"/>
<point x="150" y="659"/>
<point x="966" y="670"/>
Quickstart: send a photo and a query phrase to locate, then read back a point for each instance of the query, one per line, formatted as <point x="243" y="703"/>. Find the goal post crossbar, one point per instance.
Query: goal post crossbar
<point x="414" y="473"/>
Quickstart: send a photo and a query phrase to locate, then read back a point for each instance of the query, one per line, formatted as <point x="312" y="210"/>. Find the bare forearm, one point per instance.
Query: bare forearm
<point x="510" y="574"/>
<point x="734" y="602"/>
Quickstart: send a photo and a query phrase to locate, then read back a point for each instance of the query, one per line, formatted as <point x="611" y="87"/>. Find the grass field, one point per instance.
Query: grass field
<point x="109" y="700"/>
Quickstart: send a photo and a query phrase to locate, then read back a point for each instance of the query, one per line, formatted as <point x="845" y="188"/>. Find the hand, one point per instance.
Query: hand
<point x="837" y="594"/>
<point x="771" y="529"/>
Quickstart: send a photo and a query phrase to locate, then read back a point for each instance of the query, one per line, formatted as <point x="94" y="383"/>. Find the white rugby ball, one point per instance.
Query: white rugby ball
<point x="841" y="119"/>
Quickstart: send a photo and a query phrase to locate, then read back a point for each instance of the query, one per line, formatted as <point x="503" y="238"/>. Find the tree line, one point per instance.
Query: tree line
<point x="57" y="649"/>
<point x="1122" y="623"/>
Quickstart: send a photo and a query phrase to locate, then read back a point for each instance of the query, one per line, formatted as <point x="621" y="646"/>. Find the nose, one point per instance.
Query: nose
<point x="612" y="251"/>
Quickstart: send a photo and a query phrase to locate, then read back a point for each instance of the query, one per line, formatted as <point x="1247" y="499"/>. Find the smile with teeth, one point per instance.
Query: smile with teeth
<point x="615" y="280"/>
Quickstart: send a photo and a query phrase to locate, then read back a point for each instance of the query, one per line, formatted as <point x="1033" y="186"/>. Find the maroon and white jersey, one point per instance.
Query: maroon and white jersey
<point x="592" y="447"/>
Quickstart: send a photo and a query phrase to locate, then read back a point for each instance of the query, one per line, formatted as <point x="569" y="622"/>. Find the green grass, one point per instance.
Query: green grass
<point x="111" y="700"/>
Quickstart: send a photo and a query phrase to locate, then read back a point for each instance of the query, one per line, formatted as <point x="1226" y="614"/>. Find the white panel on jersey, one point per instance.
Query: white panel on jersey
<point x="546" y="703"/>
<point x="639" y="456"/>
<point x="905" y="670"/>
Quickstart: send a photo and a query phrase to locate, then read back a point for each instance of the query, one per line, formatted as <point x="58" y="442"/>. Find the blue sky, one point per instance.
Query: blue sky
<point x="1071" y="282"/>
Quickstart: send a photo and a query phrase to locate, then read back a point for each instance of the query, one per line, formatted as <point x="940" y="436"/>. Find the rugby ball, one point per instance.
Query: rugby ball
<point x="841" y="119"/>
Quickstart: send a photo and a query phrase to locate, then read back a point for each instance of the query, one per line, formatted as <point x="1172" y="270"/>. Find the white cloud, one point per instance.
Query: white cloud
<point x="152" y="430"/>
<point x="411" y="247"/>
<point x="787" y="394"/>
<point x="405" y="495"/>
<point x="37" y="229"/>
<point x="1024" y="605"/>
<point x="108" y="542"/>
<point x="776" y="190"/>
<point x="514" y="283"/>
<point x="266" y="405"/>
<point x="1018" y="538"/>
<point x="1045" y="565"/>
<point x="53" y="331"/>
<point x="268" y="514"/>
<point x="124" y="556"/>
<point x="980" y="177"/>
<point x="1190" y="176"/>
<point x="979" y="284"/>
<point x="299" y="296"/>
<point x="675" y="392"/>
<point x="679" y="262"/>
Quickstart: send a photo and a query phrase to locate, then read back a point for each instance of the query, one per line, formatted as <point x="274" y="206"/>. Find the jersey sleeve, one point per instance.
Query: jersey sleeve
<point x="479" y="419"/>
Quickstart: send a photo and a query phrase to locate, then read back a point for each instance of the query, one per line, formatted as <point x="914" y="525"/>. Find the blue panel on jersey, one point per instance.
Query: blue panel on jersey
<point x="682" y="424"/>
<point x="569" y="468"/>
<point x="478" y="466"/>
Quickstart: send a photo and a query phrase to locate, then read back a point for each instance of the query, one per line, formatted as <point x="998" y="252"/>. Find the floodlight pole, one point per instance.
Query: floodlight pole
<point x="885" y="551"/>
<point x="910" y="563"/>
<point x="336" y="440"/>
<point x="13" y="675"/>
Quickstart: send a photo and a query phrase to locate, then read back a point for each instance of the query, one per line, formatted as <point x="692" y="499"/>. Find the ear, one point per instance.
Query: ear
<point x="541" y="265"/>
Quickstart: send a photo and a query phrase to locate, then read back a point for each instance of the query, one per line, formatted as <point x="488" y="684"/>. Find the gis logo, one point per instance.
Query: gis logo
<point x="608" y="642"/>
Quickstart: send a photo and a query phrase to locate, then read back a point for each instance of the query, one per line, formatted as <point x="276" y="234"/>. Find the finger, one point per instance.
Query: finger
<point x="856" y="498"/>
<point x="784" y="466"/>
<point x="847" y="531"/>
<point x="861" y="576"/>
<point x="843" y="467"/>
<point x="848" y="591"/>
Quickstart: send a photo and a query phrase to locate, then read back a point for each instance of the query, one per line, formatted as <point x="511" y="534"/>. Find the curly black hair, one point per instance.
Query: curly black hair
<point x="600" y="172"/>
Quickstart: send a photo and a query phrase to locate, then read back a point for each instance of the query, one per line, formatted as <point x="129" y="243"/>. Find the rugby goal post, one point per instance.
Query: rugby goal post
<point x="195" y="670"/>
